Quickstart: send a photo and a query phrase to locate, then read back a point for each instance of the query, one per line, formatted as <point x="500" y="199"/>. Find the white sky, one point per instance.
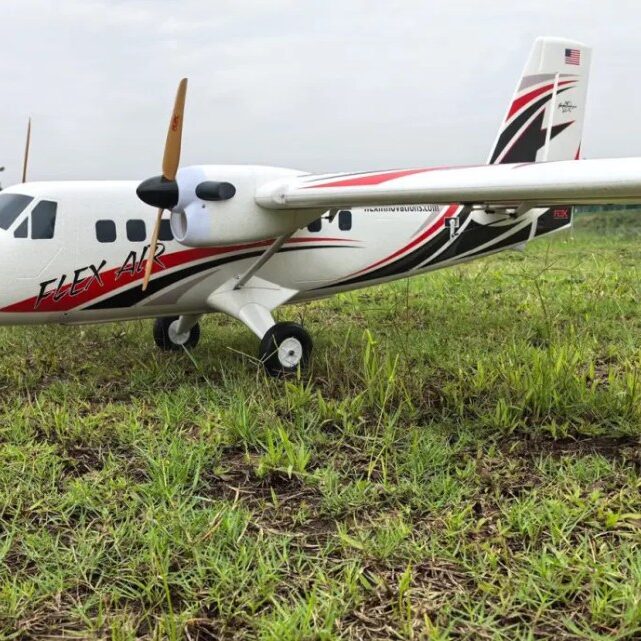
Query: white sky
<point x="316" y="85"/>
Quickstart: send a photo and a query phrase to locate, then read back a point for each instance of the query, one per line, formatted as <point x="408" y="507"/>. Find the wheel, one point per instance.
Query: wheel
<point x="167" y="339"/>
<point x="285" y="348"/>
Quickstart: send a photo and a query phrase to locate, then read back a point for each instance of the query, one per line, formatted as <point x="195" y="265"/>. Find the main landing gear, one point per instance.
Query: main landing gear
<point x="284" y="349"/>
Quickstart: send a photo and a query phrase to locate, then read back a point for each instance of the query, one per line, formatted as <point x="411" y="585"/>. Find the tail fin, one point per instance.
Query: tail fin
<point x="545" y="118"/>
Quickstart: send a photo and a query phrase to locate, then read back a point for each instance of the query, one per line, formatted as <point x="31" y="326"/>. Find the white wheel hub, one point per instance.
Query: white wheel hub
<point x="290" y="352"/>
<point x="175" y="337"/>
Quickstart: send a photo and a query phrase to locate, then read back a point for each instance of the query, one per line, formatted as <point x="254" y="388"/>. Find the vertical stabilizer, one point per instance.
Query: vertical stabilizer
<point x="545" y="118"/>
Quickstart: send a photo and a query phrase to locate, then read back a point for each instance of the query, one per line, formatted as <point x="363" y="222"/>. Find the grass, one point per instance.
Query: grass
<point x="462" y="462"/>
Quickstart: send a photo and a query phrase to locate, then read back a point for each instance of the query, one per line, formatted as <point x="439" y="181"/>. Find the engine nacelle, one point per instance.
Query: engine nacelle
<point x="238" y="219"/>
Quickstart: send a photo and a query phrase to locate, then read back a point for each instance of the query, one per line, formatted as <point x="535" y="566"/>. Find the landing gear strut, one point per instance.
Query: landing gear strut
<point x="285" y="348"/>
<point x="172" y="333"/>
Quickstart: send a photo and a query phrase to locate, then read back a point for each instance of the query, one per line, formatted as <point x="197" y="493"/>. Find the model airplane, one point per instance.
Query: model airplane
<point x="244" y="240"/>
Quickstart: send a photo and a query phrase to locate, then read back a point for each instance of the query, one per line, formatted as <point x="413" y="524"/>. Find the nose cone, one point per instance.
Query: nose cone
<point x="158" y="192"/>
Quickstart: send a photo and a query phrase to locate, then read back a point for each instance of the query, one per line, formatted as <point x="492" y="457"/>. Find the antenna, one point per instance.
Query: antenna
<point x="26" y="153"/>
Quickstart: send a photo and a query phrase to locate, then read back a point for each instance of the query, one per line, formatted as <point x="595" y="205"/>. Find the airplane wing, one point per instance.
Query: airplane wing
<point x="569" y="182"/>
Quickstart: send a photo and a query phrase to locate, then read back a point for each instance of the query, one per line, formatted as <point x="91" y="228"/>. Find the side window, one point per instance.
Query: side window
<point x="315" y="225"/>
<point x="345" y="220"/>
<point x="136" y="231"/>
<point x="22" y="229"/>
<point x="11" y="206"/>
<point x="165" y="232"/>
<point x="43" y="220"/>
<point x="105" y="231"/>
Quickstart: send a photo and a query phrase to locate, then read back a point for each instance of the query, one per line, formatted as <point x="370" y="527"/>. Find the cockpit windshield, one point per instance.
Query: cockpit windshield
<point x="11" y="206"/>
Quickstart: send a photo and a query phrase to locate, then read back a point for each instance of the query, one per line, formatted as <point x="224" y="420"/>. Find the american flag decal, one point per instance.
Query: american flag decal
<point x="572" y="56"/>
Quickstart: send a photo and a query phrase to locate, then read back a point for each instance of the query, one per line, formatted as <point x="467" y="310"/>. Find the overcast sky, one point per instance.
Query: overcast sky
<point x="320" y="86"/>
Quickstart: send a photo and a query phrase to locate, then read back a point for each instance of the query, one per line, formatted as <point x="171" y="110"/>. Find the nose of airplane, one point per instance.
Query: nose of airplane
<point x="15" y="287"/>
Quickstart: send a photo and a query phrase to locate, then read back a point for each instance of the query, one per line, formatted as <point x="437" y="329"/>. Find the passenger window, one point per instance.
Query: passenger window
<point x="316" y="225"/>
<point x="11" y="206"/>
<point x="165" y="232"/>
<point x="345" y="220"/>
<point x="105" y="231"/>
<point x="136" y="231"/>
<point x="22" y="229"/>
<point x="43" y="220"/>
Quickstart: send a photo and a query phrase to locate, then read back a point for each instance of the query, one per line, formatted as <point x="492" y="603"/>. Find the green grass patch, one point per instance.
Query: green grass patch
<point x="461" y="462"/>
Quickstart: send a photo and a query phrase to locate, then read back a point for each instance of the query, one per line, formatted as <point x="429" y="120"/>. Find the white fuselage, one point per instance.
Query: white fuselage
<point x="77" y="277"/>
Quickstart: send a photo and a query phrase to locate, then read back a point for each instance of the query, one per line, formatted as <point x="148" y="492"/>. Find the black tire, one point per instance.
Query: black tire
<point x="285" y="349"/>
<point x="164" y="342"/>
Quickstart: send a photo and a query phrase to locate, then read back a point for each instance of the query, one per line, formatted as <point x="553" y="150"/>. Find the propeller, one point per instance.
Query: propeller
<point x="25" y="162"/>
<point x="162" y="191"/>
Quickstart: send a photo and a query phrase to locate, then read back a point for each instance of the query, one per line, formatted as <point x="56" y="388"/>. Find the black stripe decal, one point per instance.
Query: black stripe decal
<point x="409" y="261"/>
<point x="513" y="128"/>
<point x="519" y="237"/>
<point x="135" y="295"/>
<point x="474" y="235"/>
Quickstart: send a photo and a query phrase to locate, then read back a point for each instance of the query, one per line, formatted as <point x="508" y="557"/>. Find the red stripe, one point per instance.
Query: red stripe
<point x="428" y="232"/>
<point x="377" y="179"/>
<point x="110" y="282"/>
<point x="529" y="97"/>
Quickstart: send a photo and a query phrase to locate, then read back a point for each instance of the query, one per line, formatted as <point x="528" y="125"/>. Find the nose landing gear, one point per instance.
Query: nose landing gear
<point x="172" y="333"/>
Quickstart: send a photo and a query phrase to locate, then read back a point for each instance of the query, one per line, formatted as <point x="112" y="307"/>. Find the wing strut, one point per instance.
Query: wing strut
<point x="263" y="258"/>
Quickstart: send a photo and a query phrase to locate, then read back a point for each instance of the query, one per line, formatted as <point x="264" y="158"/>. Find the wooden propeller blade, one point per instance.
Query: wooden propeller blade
<point x="171" y="158"/>
<point x="152" y="250"/>
<point x="25" y="163"/>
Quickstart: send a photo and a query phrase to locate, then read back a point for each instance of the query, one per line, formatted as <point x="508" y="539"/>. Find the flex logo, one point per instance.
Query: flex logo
<point x="91" y="276"/>
<point x="80" y="282"/>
